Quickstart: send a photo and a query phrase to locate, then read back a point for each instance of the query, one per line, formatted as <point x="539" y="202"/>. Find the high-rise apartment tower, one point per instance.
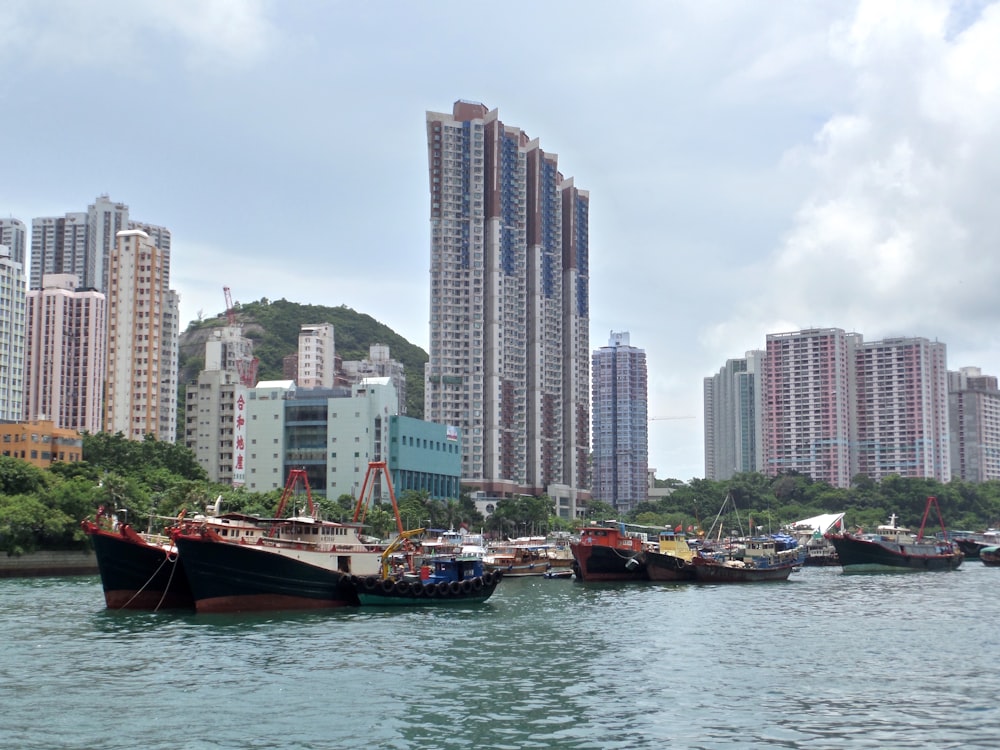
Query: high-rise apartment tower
<point x="621" y="424"/>
<point x="509" y="318"/>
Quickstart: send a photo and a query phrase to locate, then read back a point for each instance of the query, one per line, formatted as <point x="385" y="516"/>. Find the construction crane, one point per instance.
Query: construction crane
<point x="246" y="367"/>
<point x="230" y="312"/>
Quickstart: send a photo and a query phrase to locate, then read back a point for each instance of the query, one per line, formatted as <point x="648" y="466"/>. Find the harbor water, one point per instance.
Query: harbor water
<point x="825" y="660"/>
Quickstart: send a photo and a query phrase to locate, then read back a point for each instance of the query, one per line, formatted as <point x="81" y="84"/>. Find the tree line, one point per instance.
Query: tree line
<point x="147" y="482"/>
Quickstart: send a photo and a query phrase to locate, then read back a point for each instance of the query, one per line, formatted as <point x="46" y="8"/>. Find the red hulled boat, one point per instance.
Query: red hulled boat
<point x="610" y="552"/>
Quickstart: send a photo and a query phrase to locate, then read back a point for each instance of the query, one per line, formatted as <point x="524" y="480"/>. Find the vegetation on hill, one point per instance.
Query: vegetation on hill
<point x="274" y="328"/>
<point x="773" y="501"/>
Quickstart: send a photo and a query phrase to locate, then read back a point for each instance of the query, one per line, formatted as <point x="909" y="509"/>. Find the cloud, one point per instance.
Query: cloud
<point x="892" y="236"/>
<point x="64" y="35"/>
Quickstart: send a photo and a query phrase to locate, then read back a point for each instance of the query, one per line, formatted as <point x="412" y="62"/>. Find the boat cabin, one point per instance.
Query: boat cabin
<point x="448" y="568"/>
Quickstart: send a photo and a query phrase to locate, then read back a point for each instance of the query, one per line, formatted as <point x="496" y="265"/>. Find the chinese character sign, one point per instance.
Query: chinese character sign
<point x="239" y="436"/>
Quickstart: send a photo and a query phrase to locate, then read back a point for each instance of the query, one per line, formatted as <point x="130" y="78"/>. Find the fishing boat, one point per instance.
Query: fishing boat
<point x="138" y="571"/>
<point x="300" y="562"/>
<point x="893" y="546"/>
<point x="672" y="561"/>
<point x="758" y="559"/>
<point x="413" y="579"/>
<point x="529" y="556"/>
<point x="990" y="556"/>
<point x="610" y="552"/>
<point x="972" y="544"/>
<point x="810" y="533"/>
<point x="142" y="570"/>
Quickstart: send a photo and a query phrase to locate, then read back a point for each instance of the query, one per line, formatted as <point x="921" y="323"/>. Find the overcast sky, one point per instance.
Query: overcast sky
<point x="753" y="167"/>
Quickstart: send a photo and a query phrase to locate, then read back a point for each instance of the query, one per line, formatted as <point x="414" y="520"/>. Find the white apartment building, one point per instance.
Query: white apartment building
<point x="12" y="329"/>
<point x="66" y="349"/>
<point x="14" y="235"/>
<point x="317" y="368"/>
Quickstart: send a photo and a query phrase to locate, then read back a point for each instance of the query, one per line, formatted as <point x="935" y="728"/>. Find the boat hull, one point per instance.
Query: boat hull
<point x="858" y="553"/>
<point x="711" y="571"/>
<point x="663" y="567"/>
<point x="600" y="563"/>
<point x="138" y="575"/>
<point x="990" y="556"/>
<point x="970" y="547"/>
<point x="227" y="577"/>
<point x="371" y="591"/>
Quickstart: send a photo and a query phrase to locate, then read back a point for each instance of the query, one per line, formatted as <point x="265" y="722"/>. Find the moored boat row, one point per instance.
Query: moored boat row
<point x="242" y="563"/>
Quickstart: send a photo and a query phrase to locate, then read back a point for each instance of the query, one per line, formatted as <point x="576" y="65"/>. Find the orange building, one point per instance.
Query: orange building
<point x="40" y="443"/>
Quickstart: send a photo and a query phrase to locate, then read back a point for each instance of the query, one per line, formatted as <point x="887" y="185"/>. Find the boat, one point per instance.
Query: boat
<point x="672" y="559"/>
<point x="893" y="546"/>
<point x="559" y="573"/>
<point x="529" y="556"/>
<point x="300" y="562"/>
<point x="990" y="556"/>
<point x="412" y="579"/>
<point x="610" y="552"/>
<point x="971" y="544"/>
<point x="810" y="533"/>
<point x="142" y="570"/>
<point x="758" y="559"/>
<point x="138" y="571"/>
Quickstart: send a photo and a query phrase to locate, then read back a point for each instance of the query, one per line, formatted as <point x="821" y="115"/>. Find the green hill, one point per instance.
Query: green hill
<point x="274" y="329"/>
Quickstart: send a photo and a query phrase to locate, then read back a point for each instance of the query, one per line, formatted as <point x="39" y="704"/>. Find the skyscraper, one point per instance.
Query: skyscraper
<point x="900" y="398"/>
<point x="974" y="424"/>
<point x="621" y="424"/>
<point x="807" y="405"/>
<point x="81" y="243"/>
<point x="316" y="356"/>
<point x="14" y="235"/>
<point x="509" y="311"/>
<point x="66" y="346"/>
<point x="141" y="394"/>
<point x="12" y="322"/>
<point x="732" y="427"/>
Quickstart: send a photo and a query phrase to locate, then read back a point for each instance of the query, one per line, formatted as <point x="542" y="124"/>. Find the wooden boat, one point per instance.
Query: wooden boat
<point x="532" y="556"/>
<point x="990" y="556"/>
<point x="758" y="559"/>
<point x="893" y="546"/>
<point x="138" y="571"/>
<point x="610" y="552"/>
<point x="672" y="559"/>
<point x="412" y="579"/>
<point x="299" y="563"/>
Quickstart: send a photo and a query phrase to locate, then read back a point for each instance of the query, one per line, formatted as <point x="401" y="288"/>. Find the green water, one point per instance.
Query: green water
<point x="826" y="660"/>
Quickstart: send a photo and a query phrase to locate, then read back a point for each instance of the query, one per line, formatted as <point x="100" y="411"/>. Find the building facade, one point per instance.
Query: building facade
<point x="14" y="236"/>
<point x="13" y="303"/>
<point x="620" y="424"/>
<point x="378" y="365"/>
<point x="733" y="434"/>
<point x="974" y="425"/>
<point x="506" y="334"/>
<point x="316" y="365"/>
<point x="66" y="349"/>
<point x="141" y="388"/>
<point x="900" y="400"/>
<point x="81" y="243"/>
<point x="335" y="433"/>
<point x="40" y="443"/>
<point x="807" y="405"/>
<point x="215" y="427"/>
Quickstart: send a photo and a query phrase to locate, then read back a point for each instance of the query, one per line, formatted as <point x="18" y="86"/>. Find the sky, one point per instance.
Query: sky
<point x="753" y="167"/>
